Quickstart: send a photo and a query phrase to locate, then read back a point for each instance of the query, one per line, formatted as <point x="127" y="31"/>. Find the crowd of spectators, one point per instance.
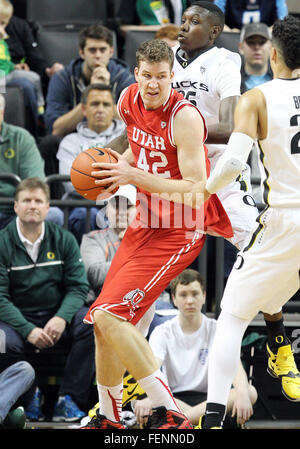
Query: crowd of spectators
<point x="69" y="109"/>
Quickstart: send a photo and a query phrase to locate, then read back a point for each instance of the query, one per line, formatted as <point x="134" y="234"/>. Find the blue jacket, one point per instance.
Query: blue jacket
<point x="66" y="86"/>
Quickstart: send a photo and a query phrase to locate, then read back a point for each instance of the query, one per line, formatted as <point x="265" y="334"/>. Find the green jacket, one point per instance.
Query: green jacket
<point x="19" y="154"/>
<point x="56" y="282"/>
<point x="157" y="12"/>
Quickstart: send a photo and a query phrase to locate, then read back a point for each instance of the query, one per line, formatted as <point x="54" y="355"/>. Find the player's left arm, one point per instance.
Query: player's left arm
<point x="128" y="155"/>
<point x="120" y="143"/>
<point x="248" y="126"/>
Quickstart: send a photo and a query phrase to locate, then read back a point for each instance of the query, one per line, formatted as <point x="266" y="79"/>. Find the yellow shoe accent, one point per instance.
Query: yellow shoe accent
<point x="282" y="366"/>
<point x="200" y="425"/>
<point x="131" y="391"/>
<point x="93" y="410"/>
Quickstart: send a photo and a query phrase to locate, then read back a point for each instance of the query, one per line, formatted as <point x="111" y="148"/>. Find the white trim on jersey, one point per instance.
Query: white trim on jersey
<point x="171" y="122"/>
<point x="136" y="97"/>
<point x="166" y="103"/>
<point x="119" y="106"/>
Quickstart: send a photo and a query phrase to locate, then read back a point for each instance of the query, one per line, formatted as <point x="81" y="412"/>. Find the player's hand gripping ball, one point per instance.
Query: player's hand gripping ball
<point x="81" y="173"/>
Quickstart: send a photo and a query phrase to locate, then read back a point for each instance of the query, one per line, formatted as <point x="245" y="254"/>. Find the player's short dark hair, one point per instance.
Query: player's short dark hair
<point x="286" y="36"/>
<point x="155" y="50"/>
<point x="186" y="277"/>
<point x="32" y="184"/>
<point x="95" y="31"/>
<point x="95" y="86"/>
<point x="214" y="12"/>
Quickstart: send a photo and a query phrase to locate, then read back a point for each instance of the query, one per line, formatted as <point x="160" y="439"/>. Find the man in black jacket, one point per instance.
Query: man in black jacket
<point x="22" y="45"/>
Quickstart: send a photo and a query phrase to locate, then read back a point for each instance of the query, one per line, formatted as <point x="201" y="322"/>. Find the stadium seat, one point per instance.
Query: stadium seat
<point x="116" y="7"/>
<point x="14" y="112"/>
<point x="229" y="40"/>
<point x="73" y="13"/>
<point x="58" y="45"/>
<point x="133" y="39"/>
<point x="61" y="45"/>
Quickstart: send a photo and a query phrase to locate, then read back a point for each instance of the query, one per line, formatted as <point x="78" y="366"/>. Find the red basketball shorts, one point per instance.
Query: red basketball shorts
<point x="144" y="265"/>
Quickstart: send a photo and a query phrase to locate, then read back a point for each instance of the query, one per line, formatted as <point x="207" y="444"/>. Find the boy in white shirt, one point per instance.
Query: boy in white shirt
<point x="182" y="346"/>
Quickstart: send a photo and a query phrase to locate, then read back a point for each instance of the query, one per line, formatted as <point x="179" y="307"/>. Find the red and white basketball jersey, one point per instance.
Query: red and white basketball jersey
<point x="150" y="134"/>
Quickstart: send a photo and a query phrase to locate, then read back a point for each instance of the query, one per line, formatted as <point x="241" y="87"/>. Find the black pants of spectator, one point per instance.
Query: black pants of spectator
<point x="48" y="147"/>
<point x="79" y="370"/>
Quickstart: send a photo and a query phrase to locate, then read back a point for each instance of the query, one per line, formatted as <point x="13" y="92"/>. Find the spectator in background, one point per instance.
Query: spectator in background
<point x="97" y="130"/>
<point x="43" y="288"/>
<point x="239" y="13"/>
<point x="99" y="247"/>
<point x="9" y="69"/>
<point x="16" y="380"/>
<point x="22" y="63"/>
<point x="23" y="46"/>
<point x="182" y="346"/>
<point x="255" y="47"/>
<point x="169" y="34"/>
<point x="96" y="64"/>
<point x="20" y="156"/>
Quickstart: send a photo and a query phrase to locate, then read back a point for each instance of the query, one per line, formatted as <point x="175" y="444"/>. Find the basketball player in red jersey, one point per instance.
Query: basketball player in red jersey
<point x="165" y="160"/>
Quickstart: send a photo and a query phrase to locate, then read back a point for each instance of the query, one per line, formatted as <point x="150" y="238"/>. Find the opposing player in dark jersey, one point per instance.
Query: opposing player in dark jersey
<point x="166" y="159"/>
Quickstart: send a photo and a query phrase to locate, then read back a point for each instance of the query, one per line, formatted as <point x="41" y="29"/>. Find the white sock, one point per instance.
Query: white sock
<point x="110" y="399"/>
<point x="224" y="357"/>
<point x="158" y="391"/>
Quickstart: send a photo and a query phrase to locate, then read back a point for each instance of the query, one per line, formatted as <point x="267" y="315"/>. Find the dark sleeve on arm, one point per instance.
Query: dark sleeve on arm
<point x="22" y="44"/>
<point x="58" y="99"/>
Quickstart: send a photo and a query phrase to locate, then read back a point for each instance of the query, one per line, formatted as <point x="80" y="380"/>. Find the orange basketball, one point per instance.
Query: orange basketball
<point x="81" y="173"/>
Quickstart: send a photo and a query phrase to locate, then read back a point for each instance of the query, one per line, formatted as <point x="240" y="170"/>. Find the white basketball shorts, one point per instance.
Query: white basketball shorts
<point x="266" y="273"/>
<point x="239" y="204"/>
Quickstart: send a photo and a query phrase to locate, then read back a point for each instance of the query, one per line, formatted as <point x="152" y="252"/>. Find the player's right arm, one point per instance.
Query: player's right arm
<point x="227" y="85"/>
<point x="250" y="123"/>
<point x="219" y="133"/>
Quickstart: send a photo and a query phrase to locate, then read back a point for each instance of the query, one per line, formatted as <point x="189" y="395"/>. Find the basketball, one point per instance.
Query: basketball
<point x="81" y="173"/>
